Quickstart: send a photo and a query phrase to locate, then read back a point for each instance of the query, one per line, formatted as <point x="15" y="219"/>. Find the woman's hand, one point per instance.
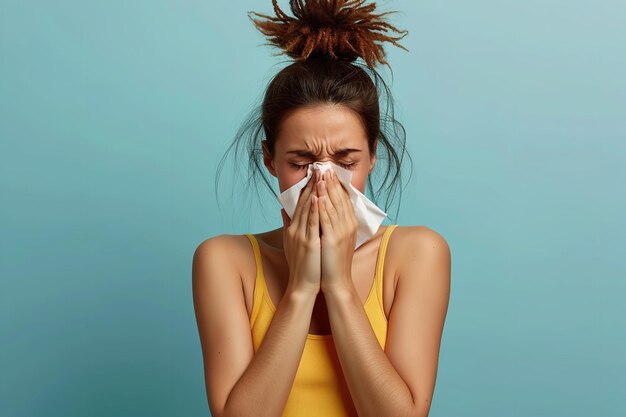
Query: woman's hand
<point x="339" y="227"/>
<point x="301" y="241"/>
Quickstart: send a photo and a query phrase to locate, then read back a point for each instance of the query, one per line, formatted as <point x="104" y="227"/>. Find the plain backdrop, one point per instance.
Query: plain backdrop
<point x="114" y="115"/>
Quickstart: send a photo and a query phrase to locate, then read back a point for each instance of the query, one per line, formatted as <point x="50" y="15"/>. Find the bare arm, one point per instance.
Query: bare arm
<point x="400" y="381"/>
<point x="240" y="383"/>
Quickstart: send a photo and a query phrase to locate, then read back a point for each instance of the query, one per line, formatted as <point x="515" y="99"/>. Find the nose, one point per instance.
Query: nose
<point x="322" y="166"/>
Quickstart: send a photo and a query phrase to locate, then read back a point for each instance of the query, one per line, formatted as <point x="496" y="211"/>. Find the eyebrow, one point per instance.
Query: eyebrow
<point x="340" y="152"/>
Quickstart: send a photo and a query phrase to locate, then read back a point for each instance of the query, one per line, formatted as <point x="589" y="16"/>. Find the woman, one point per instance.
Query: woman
<point x="295" y="321"/>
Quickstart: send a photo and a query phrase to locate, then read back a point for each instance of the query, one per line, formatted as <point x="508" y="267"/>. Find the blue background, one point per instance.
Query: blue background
<point x="113" y="117"/>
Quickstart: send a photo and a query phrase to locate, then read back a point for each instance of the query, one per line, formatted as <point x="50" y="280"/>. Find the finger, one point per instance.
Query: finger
<point x="325" y="221"/>
<point x="348" y="207"/>
<point x="322" y="186"/>
<point x="347" y="203"/>
<point x="314" y="218"/>
<point x="303" y="218"/>
<point x="335" y="191"/>
<point x="331" y="211"/>
<point x="347" y="210"/>
<point x="304" y="195"/>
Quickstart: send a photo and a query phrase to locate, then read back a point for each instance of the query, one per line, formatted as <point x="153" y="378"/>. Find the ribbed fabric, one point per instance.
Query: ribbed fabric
<point x="319" y="388"/>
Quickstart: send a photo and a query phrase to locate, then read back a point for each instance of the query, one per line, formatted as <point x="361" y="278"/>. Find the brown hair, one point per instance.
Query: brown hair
<point x="325" y="39"/>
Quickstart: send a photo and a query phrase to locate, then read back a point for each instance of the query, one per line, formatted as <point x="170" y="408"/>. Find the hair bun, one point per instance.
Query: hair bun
<point x="339" y="29"/>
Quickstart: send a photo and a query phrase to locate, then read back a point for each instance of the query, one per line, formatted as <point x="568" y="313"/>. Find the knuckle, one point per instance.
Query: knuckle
<point x="300" y="241"/>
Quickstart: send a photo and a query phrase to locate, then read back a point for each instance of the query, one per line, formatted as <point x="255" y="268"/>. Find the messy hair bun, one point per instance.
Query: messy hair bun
<point x="325" y="37"/>
<point x="339" y="29"/>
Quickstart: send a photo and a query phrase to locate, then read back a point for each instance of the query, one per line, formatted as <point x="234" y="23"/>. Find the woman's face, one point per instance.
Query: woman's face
<point x="326" y="132"/>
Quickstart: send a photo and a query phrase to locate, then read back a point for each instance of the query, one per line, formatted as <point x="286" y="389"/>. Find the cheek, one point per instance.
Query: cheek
<point x="359" y="185"/>
<point x="289" y="177"/>
<point x="359" y="180"/>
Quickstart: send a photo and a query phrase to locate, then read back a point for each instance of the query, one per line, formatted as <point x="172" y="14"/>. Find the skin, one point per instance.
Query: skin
<point x="396" y="381"/>
<point x="303" y="139"/>
<point x="311" y="130"/>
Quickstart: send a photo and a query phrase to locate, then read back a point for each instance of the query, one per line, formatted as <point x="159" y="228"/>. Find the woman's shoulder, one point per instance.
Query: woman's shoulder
<point x="420" y="233"/>
<point x="420" y="240"/>
<point x="226" y="252"/>
<point x="417" y="244"/>
<point x="224" y="243"/>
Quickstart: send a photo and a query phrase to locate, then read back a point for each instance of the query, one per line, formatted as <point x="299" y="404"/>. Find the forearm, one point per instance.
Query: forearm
<point x="263" y="389"/>
<point x="375" y="386"/>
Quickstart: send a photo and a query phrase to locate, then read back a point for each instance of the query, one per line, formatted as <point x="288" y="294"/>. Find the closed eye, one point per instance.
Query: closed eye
<point x="346" y="166"/>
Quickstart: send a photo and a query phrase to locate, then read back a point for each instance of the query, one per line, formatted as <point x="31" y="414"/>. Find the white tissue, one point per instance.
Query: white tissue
<point x="368" y="215"/>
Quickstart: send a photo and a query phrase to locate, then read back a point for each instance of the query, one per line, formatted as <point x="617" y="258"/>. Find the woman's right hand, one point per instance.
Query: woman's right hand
<point x="301" y="241"/>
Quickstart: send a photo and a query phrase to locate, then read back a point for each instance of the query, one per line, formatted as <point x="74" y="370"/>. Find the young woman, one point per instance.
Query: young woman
<point x="295" y="321"/>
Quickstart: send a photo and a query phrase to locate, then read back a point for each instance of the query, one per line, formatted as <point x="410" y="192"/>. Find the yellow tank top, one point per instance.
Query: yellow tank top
<point x="319" y="388"/>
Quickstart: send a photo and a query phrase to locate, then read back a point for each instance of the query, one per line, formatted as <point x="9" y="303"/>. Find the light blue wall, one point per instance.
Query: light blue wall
<point x="114" y="114"/>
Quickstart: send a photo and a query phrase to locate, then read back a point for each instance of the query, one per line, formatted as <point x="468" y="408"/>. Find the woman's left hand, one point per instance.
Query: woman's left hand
<point x="338" y="237"/>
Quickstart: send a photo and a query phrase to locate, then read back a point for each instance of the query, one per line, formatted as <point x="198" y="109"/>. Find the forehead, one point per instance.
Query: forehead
<point x="321" y="128"/>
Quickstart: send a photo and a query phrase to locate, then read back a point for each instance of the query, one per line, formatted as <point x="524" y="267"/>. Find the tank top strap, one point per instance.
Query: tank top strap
<point x="259" y="281"/>
<point x="382" y="251"/>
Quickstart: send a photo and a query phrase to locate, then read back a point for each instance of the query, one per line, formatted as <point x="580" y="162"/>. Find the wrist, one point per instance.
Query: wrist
<point x="302" y="291"/>
<point x="344" y="288"/>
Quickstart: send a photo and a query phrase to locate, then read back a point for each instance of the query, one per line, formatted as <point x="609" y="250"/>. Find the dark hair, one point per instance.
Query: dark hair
<point x="323" y="74"/>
